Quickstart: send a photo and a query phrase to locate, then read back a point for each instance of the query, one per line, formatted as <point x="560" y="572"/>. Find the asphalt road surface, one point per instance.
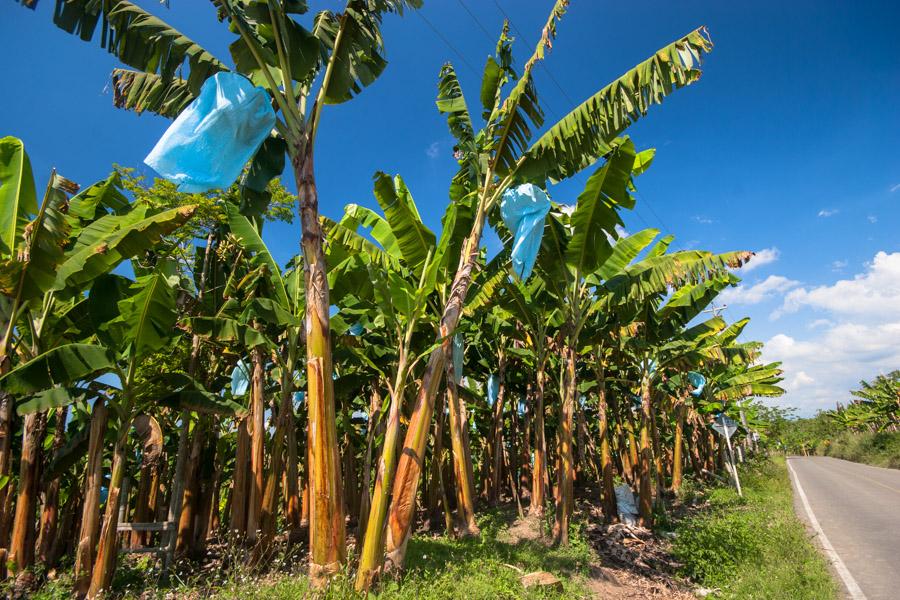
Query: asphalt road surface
<point x="857" y="507"/>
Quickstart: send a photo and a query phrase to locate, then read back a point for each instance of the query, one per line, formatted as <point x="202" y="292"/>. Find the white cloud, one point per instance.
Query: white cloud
<point x="838" y="265"/>
<point x="820" y="323"/>
<point x="822" y="370"/>
<point x="433" y="150"/>
<point x="828" y="212"/>
<point x="858" y="339"/>
<point x="703" y="220"/>
<point x="761" y="258"/>
<point x="873" y="295"/>
<point x="768" y="288"/>
<point x="801" y="379"/>
<point x="895" y="187"/>
<point x="872" y="219"/>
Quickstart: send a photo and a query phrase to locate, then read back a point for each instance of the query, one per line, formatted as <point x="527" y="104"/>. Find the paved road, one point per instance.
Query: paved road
<point x="858" y="509"/>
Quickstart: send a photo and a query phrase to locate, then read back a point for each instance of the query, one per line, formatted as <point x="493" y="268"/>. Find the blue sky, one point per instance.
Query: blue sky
<point x="788" y="145"/>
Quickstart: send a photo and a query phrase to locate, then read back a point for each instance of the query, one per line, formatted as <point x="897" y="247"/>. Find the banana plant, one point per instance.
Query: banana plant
<point x="52" y="253"/>
<point x="660" y="338"/>
<point x="303" y="70"/>
<point x="261" y="317"/>
<point x="387" y="286"/>
<point x="538" y="314"/>
<point x="129" y="321"/>
<point x="502" y="155"/>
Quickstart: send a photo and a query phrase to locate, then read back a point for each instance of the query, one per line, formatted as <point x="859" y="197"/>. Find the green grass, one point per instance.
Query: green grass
<point x="753" y="547"/>
<point x="437" y="568"/>
<point x="442" y="568"/>
<point x="878" y="449"/>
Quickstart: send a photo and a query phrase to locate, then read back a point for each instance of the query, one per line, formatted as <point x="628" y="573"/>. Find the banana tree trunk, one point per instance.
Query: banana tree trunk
<point x="63" y="541"/>
<point x="292" y="489"/>
<point x="50" y="511"/>
<point x="327" y="545"/>
<point x="209" y="470"/>
<point x="6" y="493"/>
<point x="409" y="469"/>
<point x="257" y="430"/>
<point x="436" y="492"/>
<point x="497" y="436"/>
<point x="365" y="503"/>
<point x="512" y="455"/>
<point x="351" y="483"/>
<point x="657" y="453"/>
<point x="634" y="455"/>
<point x="677" y="460"/>
<point x="142" y="501"/>
<point x="239" y="488"/>
<point x="525" y="446"/>
<point x="581" y="446"/>
<point x="462" y="458"/>
<point x="186" y="486"/>
<point x="268" y="514"/>
<point x="433" y="496"/>
<point x="645" y="492"/>
<point x="566" y="498"/>
<point x="108" y="548"/>
<point x="90" y="516"/>
<point x="212" y="514"/>
<point x="607" y="484"/>
<point x="190" y="499"/>
<point x="372" y="555"/>
<point x="21" y="547"/>
<point x="539" y="475"/>
<point x="694" y="451"/>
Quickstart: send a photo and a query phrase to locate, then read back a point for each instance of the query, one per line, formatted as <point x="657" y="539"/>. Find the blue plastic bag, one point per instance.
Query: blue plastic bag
<point x="524" y="209"/>
<point x="698" y="381"/>
<point x="458" y="350"/>
<point x="240" y="378"/>
<point x="212" y="139"/>
<point x="493" y="389"/>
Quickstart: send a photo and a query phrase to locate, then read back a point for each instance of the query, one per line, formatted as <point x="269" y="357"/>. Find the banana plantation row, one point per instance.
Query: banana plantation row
<point x="875" y="406"/>
<point x="166" y="383"/>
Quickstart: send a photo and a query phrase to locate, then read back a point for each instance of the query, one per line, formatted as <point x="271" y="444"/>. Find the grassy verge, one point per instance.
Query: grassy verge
<point x="753" y="547"/>
<point x="878" y="449"/>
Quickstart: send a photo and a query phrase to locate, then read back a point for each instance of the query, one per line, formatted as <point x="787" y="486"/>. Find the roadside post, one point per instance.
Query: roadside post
<point x="726" y="426"/>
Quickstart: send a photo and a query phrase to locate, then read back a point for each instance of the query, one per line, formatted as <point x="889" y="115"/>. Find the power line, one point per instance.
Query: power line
<point x="447" y="43"/>
<point x="642" y="200"/>
<point x="541" y="63"/>
<point x="484" y="30"/>
<point x="571" y="102"/>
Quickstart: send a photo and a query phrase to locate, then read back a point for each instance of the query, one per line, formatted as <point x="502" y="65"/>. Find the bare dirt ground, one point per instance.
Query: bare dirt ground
<point x="632" y="563"/>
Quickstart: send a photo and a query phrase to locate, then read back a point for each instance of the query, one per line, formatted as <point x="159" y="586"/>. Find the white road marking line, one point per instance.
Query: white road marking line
<point x="852" y="587"/>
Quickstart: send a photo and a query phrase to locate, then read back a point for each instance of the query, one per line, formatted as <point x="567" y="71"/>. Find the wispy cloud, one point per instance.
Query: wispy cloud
<point x="433" y="150"/>
<point x="828" y="212"/>
<point x="838" y="265"/>
<point x="872" y="219"/>
<point x="895" y="187"/>
<point x="763" y="257"/>
<point x="703" y="220"/>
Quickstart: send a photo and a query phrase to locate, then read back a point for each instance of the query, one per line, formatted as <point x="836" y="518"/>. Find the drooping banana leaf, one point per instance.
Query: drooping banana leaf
<point x="62" y="365"/>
